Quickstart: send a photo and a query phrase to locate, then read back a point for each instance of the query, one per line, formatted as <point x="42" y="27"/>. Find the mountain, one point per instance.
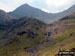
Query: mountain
<point x="27" y="36"/>
<point x="24" y="35"/>
<point x="4" y="21"/>
<point x="27" y="10"/>
<point x="63" y="32"/>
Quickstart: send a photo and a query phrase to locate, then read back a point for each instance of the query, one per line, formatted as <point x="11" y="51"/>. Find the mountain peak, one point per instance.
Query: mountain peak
<point x="25" y="5"/>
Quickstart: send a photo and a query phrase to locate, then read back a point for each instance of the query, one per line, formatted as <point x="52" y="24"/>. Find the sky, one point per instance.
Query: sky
<point x="50" y="6"/>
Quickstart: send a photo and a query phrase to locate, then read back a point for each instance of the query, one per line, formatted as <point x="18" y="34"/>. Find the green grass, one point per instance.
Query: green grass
<point x="22" y="42"/>
<point x="62" y="41"/>
<point x="1" y="31"/>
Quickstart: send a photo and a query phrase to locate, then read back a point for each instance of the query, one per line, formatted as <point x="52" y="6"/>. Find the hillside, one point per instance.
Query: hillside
<point x="26" y="37"/>
<point x="23" y="36"/>
<point x="4" y="20"/>
<point x="4" y="17"/>
<point x="24" y="33"/>
<point x="63" y="40"/>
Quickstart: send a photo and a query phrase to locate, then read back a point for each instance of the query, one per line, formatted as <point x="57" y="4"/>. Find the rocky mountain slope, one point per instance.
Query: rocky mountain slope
<point x="24" y="35"/>
<point x="31" y="32"/>
<point x="64" y="37"/>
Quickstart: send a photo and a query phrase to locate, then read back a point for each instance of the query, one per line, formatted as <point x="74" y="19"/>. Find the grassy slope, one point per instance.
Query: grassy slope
<point x="17" y="47"/>
<point x="1" y="31"/>
<point x="62" y="41"/>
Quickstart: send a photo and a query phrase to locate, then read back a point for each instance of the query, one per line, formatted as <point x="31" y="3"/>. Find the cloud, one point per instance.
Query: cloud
<point x="59" y="5"/>
<point x="52" y="6"/>
<point x="45" y="10"/>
